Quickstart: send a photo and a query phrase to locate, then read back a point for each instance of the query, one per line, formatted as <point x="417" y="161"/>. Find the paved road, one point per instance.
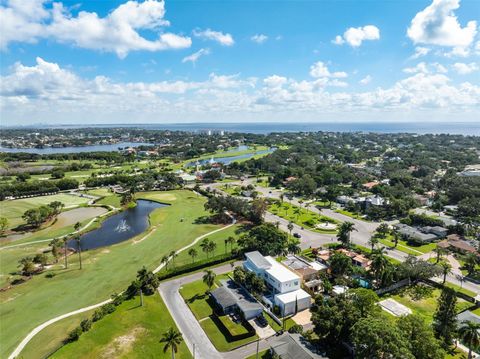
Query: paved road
<point x="193" y="333"/>
<point x="361" y="236"/>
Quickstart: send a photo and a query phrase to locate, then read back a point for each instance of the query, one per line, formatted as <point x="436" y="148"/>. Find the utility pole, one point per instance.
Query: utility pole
<point x="193" y="350"/>
<point x="258" y="341"/>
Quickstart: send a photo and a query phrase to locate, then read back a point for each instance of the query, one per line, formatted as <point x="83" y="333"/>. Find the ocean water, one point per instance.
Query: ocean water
<point x="461" y="128"/>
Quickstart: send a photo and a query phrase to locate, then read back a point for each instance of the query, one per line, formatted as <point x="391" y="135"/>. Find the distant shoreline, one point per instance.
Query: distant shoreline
<point x="457" y="128"/>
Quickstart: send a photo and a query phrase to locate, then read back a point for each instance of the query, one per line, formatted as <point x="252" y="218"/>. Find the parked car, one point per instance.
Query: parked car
<point x="296" y="235"/>
<point x="262" y="321"/>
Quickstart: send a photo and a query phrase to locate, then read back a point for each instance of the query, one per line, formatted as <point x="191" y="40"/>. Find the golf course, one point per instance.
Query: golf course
<point x="106" y="270"/>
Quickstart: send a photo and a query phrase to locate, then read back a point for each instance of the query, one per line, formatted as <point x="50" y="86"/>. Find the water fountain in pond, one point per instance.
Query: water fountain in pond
<point x="122" y="227"/>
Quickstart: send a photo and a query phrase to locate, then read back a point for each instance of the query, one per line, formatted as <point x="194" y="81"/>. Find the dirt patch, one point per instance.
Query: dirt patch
<point x="123" y="344"/>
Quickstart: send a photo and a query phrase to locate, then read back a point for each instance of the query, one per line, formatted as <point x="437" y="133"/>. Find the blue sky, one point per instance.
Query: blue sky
<point x="187" y="61"/>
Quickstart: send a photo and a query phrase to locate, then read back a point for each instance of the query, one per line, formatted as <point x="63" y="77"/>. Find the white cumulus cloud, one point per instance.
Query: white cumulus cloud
<point x="437" y="24"/>
<point x="465" y="69"/>
<point x="319" y="70"/>
<point x="118" y="32"/>
<point x="354" y="36"/>
<point x="218" y="36"/>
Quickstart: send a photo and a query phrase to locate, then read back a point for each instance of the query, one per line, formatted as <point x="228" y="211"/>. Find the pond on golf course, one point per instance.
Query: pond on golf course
<point x="119" y="227"/>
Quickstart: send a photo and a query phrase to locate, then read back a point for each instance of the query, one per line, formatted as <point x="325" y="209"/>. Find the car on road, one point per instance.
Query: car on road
<point x="296" y="235"/>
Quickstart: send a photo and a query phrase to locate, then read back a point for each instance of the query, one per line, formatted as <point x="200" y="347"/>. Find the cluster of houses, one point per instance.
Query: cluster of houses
<point x="363" y="202"/>
<point x="425" y="234"/>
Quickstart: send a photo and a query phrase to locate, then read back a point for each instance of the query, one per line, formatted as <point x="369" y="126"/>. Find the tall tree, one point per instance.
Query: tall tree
<point x="192" y="252"/>
<point x="470" y="334"/>
<point x="3" y="224"/>
<point x="373" y="241"/>
<point x="79" y="248"/>
<point x="445" y="317"/>
<point x="172" y="339"/>
<point x="420" y="337"/>
<point x="209" y="278"/>
<point x="446" y="270"/>
<point x="344" y="231"/>
<point x="377" y="338"/>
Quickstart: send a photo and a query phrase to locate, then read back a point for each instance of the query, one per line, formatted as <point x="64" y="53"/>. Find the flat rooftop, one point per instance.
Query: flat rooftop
<point x="280" y="272"/>
<point x="292" y="296"/>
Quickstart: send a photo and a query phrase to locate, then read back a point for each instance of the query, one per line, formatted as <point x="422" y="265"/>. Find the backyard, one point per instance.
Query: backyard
<point x="222" y="331"/>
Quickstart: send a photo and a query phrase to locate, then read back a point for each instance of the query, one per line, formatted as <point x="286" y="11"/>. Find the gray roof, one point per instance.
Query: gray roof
<point x="257" y="259"/>
<point x="224" y="297"/>
<point x="230" y="294"/>
<point x="293" y="346"/>
<point x="468" y="316"/>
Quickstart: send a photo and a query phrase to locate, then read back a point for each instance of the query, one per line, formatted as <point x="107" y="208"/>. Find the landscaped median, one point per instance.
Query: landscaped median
<point x="224" y="334"/>
<point x="303" y="217"/>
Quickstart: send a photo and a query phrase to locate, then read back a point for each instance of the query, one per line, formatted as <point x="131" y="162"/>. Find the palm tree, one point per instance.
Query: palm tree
<point x="65" y="240"/>
<point x="77" y="226"/>
<point x="294" y="247"/>
<point x="193" y="253"/>
<point x="164" y="261"/>
<point x="396" y="238"/>
<point x="344" y="232"/>
<point x="470" y="334"/>
<point x="205" y="246"/>
<point x="297" y="212"/>
<point x="439" y="251"/>
<point x="172" y="340"/>
<point x="379" y="263"/>
<point x="470" y="263"/>
<point x="173" y="255"/>
<point x="232" y="241"/>
<point x="373" y="241"/>
<point x="446" y="269"/>
<point x="211" y="247"/>
<point x="79" y="249"/>
<point x="290" y="227"/>
<point x="209" y="278"/>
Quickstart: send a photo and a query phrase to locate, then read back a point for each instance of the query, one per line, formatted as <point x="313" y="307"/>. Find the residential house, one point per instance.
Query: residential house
<point x="293" y="346"/>
<point x="283" y="283"/>
<point x="230" y="298"/>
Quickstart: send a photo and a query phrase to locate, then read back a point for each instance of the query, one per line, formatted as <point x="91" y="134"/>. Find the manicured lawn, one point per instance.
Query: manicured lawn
<point x="51" y="338"/>
<point x="221" y="339"/>
<point x="132" y="331"/>
<point x="477" y="311"/>
<point x="105" y="270"/>
<point x="461" y="289"/>
<point x="426" y="307"/>
<point x="218" y="238"/>
<point x="408" y="248"/>
<point x="222" y="331"/>
<point x="108" y="197"/>
<point x="351" y="215"/>
<point x="13" y="210"/>
<point x="303" y="217"/>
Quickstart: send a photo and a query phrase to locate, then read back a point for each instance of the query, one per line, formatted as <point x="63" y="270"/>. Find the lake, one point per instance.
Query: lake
<point x="75" y="149"/>
<point x="119" y="227"/>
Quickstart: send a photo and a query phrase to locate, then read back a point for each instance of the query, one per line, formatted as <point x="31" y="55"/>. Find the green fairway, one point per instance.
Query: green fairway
<point x="301" y="216"/>
<point x="132" y="331"/>
<point x="13" y="210"/>
<point x="106" y="270"/>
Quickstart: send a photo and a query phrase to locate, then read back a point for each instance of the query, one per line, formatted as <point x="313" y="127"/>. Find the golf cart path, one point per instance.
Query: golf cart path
<point x="42" y="326"/>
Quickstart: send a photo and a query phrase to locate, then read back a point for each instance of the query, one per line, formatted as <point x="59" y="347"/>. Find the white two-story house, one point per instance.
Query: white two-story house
<point x="283" y="283"/>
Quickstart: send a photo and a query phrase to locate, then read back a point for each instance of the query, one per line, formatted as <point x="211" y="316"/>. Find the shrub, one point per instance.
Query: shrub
<point x="297" y="328"/>
<point x="74" y="335"/>
<point x="86" y="324"/>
